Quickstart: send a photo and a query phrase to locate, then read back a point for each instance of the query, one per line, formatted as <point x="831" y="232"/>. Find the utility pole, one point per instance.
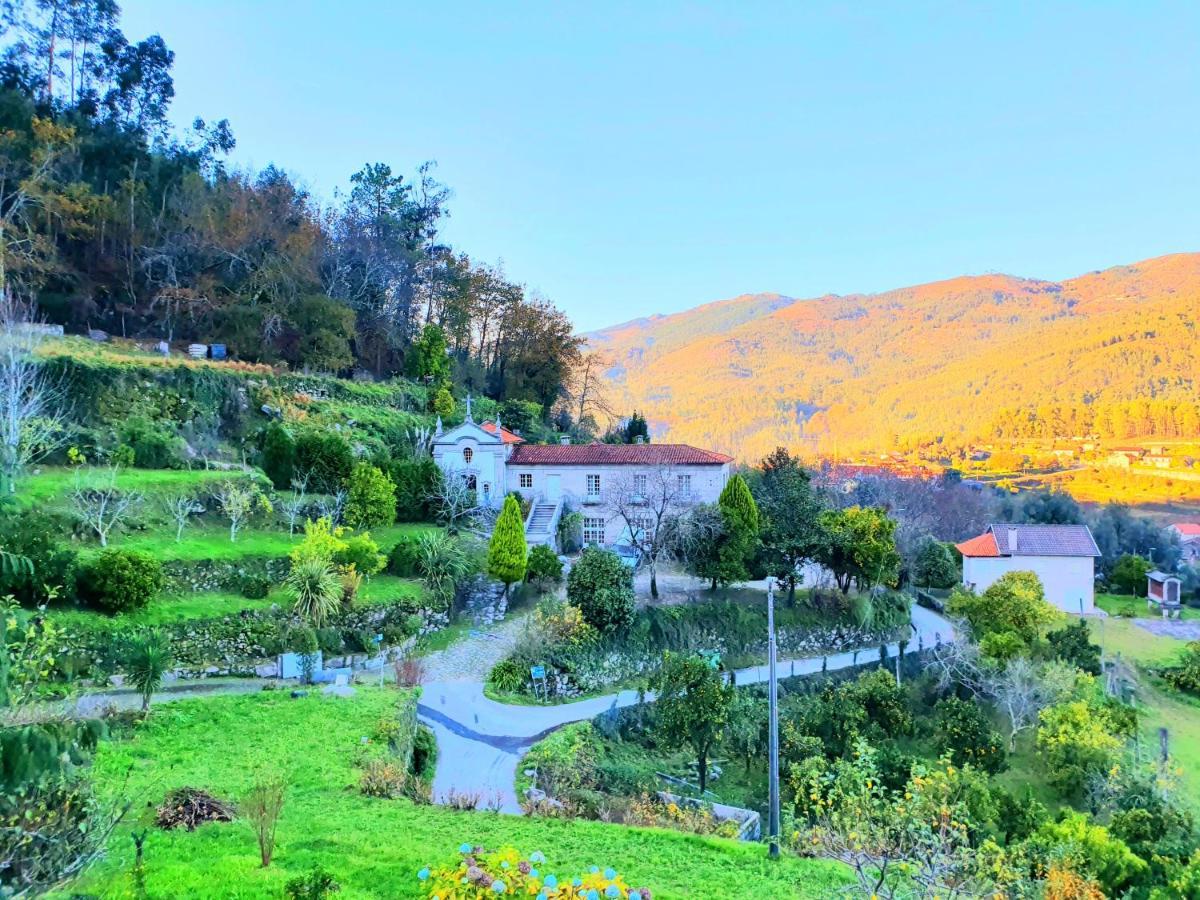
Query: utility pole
<point x="773" y="712"/>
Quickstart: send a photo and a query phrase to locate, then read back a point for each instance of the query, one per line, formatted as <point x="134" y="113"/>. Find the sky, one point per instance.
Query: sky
<point x="626" y="159"/>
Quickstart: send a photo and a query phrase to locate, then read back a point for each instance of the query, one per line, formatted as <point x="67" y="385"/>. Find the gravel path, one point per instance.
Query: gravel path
<point x="481" y="742"/>
<point x="471" y="658"/>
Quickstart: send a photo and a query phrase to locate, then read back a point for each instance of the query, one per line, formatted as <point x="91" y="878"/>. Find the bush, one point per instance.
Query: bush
<point x="442" y="564"/>
<point x="415" y="480"/>
<point x="316" y="885"/>
<point x="1129" y="575"/>
<point x="362" y="553"/>
<point x="255" y="587"/>
<point x="1072" y="644"/>
<point x="544" y="567"/>
<point x="962" y="730"/>
<point x="30" y="534"/>
<point x="424" y="754"/>
<point x="325" y="457"/>
<point x="508" y="676"/>
<point x="154" y="447"/>
<point x="120" y="580"/>
<point x="279" y="455"/>
<point x="372" y="498"/>
<point x="1185" y="675"/>
<point x="600" y="585"/>
<point x="402" y="559"/>
<point x="316" y="590"/>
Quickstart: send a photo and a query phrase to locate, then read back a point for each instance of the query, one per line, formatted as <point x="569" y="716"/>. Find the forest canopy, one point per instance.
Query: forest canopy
<point x="112" y="221"/>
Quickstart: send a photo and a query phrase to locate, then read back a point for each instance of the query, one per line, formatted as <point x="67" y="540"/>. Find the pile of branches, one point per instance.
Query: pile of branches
<point x="188" y="807"/>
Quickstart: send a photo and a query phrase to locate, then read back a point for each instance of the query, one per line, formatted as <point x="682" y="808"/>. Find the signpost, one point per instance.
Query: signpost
<point x="538" y="673"/>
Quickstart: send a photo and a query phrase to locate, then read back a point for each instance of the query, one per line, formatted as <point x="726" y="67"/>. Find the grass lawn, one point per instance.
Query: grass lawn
<point x="168" y="609"/>
<point x="211" y="541"/>
<point x="1129" y="607"/>
<point x="373" y="847"/>
<point x="52" y="485"/>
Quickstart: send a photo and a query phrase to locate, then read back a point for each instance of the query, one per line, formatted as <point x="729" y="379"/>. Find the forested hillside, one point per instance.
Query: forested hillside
<point x="973" y="358"/>
<point x="110" y="220"/>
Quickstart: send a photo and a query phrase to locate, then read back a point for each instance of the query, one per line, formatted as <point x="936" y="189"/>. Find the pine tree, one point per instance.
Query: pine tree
<point x="736" y="500"/>
<point x="727" y="560"/>
<point x="507" y="552"/>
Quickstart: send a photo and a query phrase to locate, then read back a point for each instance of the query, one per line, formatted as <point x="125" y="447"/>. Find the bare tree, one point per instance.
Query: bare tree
<point x="454" y="500"/>
<point x="648" y="502"/>
<point x="180" y="508"/>
<point x="104" y="507"/>
<point x="238" y="502"/>
<point x="32" y="401"/>
<point x="293" y="506"/>
<point x="588" y="390"/>
<point x="692" y="531"/>
<point x="334" y="505"/>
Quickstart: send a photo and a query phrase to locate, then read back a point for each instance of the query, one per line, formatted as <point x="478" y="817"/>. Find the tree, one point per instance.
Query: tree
<point x="146" y="662"/>
<point x="648" y="502"/>
<point x="371" y="498"/>
<point x="239" y="502"/>
<point x="544" y="567"/>
<point x="936" y="566"/>
<point x="600" y="586"/>
<point x="103" y="507"/>
<point x="1014" y="603"/>
<point x="791" y="531"/>
<point x="1072" y="644"/>
<point x="726" y="560"/>
<point x="692" y="706"/>
<point x="1129" y="575"/>
<point x="261" y="806"/>
<point x="453" y="500"/>
<point x="859" y="547"/>
<point x="1077" y="740"/>
<point x="180" y="508"/>
<point x="293" y="505"/>
<point x="32" y="400"/>
<point x="279" y="455"/>
<point x="507" y="550"/>
<point x="427" y="360"/>
<point x="316" y="590"/>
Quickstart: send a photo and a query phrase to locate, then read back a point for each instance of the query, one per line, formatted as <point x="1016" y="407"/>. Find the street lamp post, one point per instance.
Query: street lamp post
<point x="773" y="712"/>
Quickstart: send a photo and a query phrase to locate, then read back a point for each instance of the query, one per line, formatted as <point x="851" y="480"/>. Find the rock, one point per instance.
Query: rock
<point x="339" y="690"/>
<point x="533" y="795"/>
<point x="296" y="695"/>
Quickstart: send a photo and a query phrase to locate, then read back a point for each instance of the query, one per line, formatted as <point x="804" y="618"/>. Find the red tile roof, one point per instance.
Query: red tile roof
<point x="506" y="436"/>
<point x="615" y="455"/>
<point x="1188" y="529"/>
<point x="984" y="545"/>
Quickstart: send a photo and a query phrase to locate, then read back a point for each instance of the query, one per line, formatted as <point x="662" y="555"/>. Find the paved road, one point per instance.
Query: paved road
<point x="480" y="741"/>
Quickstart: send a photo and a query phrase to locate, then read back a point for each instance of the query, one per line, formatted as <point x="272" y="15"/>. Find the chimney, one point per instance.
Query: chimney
<point x="1012" y="540"/>
<point x="565" y="440"/>
<point x="637" y="439"/>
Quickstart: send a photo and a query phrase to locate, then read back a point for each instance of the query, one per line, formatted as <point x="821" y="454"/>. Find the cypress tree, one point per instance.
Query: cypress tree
<point x="507" y="551"/>
<point x="736" y="500"/>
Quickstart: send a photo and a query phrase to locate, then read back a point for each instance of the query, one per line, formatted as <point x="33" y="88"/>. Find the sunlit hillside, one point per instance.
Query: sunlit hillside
<point x="973" y="358"/>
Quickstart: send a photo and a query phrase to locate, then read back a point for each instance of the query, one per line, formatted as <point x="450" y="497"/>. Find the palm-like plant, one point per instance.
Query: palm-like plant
<point x="147" y="661"/>
<point x="442" y="563"/>
<point x="316" y="590"/>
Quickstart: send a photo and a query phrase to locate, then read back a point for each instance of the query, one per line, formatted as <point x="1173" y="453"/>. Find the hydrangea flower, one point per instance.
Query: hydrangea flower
<point x="593" y="894"/>
<point x="499" y="886"/>
<point x="610" y="873"/>
<point x="612" y="890"/>
<point x="635" y="895"/>
<point x="464" y="848"/>
<point x="577" y="882"/>
<point x="594" y="869"/>
<point x="537" y="856"/>
<point x="423" y="874"/>
<point x="551" y="882"/>
<point x="504" y="864"/>
<point x="533" y="873"/>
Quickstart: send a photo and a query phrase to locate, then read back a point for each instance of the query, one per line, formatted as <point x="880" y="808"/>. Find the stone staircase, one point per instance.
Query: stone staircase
<point x="542" y="523"/>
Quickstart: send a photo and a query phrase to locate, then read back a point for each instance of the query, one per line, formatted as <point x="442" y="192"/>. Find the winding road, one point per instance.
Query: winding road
<point x="481" y="742"/>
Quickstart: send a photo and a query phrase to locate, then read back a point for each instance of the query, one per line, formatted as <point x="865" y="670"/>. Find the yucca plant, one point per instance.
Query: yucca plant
<point x="146" y="663"/>
<point x="316" y="590"/>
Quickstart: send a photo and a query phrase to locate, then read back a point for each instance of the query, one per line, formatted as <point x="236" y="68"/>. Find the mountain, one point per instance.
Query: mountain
<point x="952" y="362"/>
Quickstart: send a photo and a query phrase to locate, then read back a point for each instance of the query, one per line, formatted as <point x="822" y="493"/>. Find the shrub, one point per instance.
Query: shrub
<point x="962" y="730"/>
<point x="1129" y="575"/>
<point x="325" y="457"/>
<point x="402" y="558"/>
<point x="1185" y="675"/>
<point x="1016" y="602"/>
<point x="1076" y="741"/>
<point x="279" y="455"/>
<point x="322" y="541"/>
<point x="508" y="676"/>
<point x="362" y="554"/>
<point x="565" y="761"/>
<point x="600" y="585"/>
<point x="424" y="753"/>
<point x="146" y="662"/>
<point x="316" y="885"/>
<point x="415" y="481"/>
<point x="120" y="580"/>
<point x="481" y="874"/>
<point x="261" y="808"/>
<point x="570" y="532"/>
<point x="255" y="587"/>
<point x="1072" y="644"/>
<point x="31" y="535"/>
<point x="442" y="563"/>
<point x="154" y="447"/>
<point x="316" y="590"/>
<point x="372" y="498"/>
<point x="544" y="566"/>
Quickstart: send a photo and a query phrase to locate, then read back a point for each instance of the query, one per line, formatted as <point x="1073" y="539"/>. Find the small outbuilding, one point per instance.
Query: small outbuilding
<point x="1163" y="592"/>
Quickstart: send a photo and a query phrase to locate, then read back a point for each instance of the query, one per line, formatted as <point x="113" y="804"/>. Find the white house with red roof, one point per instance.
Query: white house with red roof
<point x="494" y="461"/>
<point x="1189" y="540"/>
<point x="1062" y="556"/>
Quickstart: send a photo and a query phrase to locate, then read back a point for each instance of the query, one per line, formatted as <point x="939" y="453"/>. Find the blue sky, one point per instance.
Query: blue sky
<point x="632" y="158"/>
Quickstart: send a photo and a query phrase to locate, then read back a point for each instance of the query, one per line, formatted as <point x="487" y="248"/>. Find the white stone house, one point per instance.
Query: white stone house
<point x="1062" y="556"/>
<point x="1189" y="540"/>
<point x="494" y="462"/>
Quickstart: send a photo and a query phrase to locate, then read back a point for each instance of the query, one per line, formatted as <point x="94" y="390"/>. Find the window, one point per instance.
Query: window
<point x="643" y="528"/>
<point x="641" y="485"/>
<point x="593" y="530"/>
<point x="487" y="492"/>
<point x="593" y="487"/>
<point x="685" y="486"/>
<point x="470" y="480"/>
<point x="468" y="453"/>
<point x="525" y="480"/>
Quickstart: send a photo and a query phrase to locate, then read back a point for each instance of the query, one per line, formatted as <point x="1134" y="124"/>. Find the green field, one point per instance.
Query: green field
<point x="53" y="485"/>
<point x="373" y="847"/>
<point x="1129" y="607"/>
<point x="212" y="541"/>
